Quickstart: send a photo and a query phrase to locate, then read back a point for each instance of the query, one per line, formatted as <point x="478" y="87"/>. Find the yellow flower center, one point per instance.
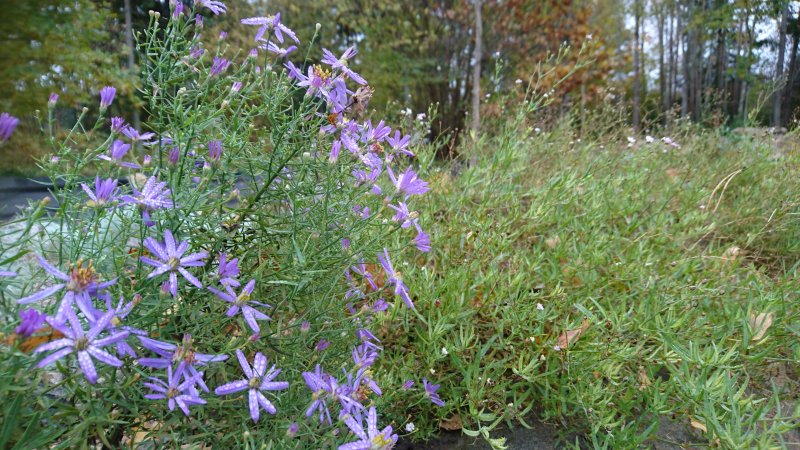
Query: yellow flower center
<point x="81" y="344"/>
<point x="243" y="298"/>
<point x="81" y="277"/>
<point x="380" y="441"/>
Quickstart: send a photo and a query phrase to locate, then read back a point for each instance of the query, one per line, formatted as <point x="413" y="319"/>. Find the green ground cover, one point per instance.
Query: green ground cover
<point x="608" y="290"/>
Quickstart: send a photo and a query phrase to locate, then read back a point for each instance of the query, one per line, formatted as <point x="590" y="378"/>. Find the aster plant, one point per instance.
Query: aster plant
<point x="303" y="202"/>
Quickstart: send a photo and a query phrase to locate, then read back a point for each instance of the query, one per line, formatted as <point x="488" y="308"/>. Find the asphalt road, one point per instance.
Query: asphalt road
<point x="16" y="193"/>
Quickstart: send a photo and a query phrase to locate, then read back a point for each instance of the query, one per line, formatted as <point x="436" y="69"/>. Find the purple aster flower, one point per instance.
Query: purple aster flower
<point x="30" y="321"/>
<point x="380" y="305"/>
<point x="196" y="51"/>
<point x="322" y="345"/>
<point x="369" y="439"/>
<point x="215" y="149"/>
<point x="223" y="35"/>
<point x="251" y="315"/>
<point x="430" y="392"/>
<point x="218" y="66"/>
<point x="178" y="10"/>
<point x="407" y="385"/>
<point x="400" y="144"/>
<point x="422" y="241"/>
<point x="364" y="356"/>
<point x="280" y="51"/>
<point x="184" y="394"/>
<point x="85" y="344"/>
<point x="258" y="379"/>
<point x="174" y="156"/>
<point x="325" y="387"/>
<point x="51" y="102"/>
<point x="171" y="260"/>
<point x="316" y="82"/>
<point x="374" y="134"/>
<point x="292" y="430"/>
<point x="228" y="271"/>
<point x="135" y="136"/>
<point x="105" y="192"/>
<point x="408" y="183"/>
<point x="107" y="96"/>
<point x="395" y="278"/>
<point x="7" y="125"/>
<point x="81" y="284"/>
<point x="214" y="6"/>
<point x="7" y="273"/>
<point x="116" y="152"/>
<point x="118" y="124"/>
<point x="403" y="215"/>
<point x="170" y="353"/>
<point x="120" y="312"/>
<point x="154" y="195"/>
<point x="361" y="269"/>
<point x="236" y="86"/>
<point x="271" y="24"/>
<point x="342" y="62"/>
<point x="198" y="21"/>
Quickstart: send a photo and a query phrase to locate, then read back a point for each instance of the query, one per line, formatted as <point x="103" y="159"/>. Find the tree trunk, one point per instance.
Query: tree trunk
<point x="131" y="55"/>
<point x="637" y="78"/>
<point x="792" y="77"/>
<point x="687" y="72"/>
<point x="662" y="72"/>
<point x="476" y="69"/>
<point x="781" y="88"/>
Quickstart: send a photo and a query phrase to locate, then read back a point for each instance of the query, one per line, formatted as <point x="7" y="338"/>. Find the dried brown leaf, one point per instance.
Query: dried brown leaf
<point x="568" y="337"/>
<point x="451" y="424"/>
<point x="699" y="425"/>
<point x="760" y="324"/>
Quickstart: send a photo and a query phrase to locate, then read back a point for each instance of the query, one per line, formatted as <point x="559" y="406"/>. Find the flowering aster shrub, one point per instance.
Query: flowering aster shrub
<point x="216" y="282"/>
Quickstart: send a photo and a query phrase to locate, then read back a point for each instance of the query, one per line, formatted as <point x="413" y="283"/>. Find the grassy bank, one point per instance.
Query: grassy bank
<point x="609" y="290"/>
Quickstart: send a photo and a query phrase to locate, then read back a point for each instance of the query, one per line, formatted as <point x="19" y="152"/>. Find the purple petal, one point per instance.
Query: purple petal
<point x="116" y="337"/>
<point x="253" y="403"/>
<point x="266" y="404"/>
<point x="169" y="241"/>
<point x="87" y="366"/>
<point x="243" y="362"/>
<point x="260" y="364"/>
<point x="55" y="345"/>
<point x="54" y="356"/>
<point x="41" y="294"/>
<point x="232" y="387"/>
<point x="191" y="278"/>
<point x="104" y="356"/>
<point x="155" y="247"/>
<point x="51" y="269"/>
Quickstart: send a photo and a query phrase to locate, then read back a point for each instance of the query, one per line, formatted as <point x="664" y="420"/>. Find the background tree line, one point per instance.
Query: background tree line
<point x="716" y="62"/>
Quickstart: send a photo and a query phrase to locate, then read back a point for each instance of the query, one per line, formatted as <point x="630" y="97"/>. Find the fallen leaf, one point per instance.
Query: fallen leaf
<point x="760" y="324"/>
<point x="699" y="425"/>
<point x="731" y="253"/>
<point x="673" y="173"/>
<point x="568" y="337"/>
<point x="552" y="242"/>
<point x="451" y="424"/>
<point x="644" y="380"/>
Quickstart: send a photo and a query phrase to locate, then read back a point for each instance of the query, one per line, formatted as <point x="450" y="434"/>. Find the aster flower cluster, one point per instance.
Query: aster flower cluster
<point x="106" y="326"/>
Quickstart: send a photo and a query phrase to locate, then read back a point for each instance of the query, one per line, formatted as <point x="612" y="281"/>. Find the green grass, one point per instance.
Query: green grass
<point x="664" y="256"/>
